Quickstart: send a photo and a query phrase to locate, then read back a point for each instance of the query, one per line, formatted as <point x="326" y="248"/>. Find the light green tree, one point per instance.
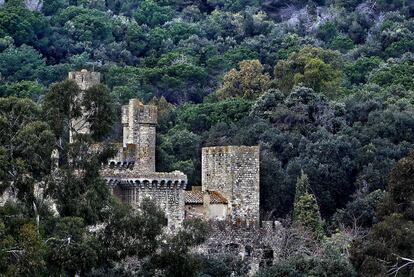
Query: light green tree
<point x="306" y="209"/>
<point x="248" y="82"/>
<point x="312" y="67"/>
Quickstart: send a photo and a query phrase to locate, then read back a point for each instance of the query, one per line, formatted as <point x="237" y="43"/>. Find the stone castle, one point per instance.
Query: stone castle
<point x="230" y="174"/>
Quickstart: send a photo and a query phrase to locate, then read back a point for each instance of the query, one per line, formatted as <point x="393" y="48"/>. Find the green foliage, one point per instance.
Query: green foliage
<point x="327" y="32"/>
<point x="80" y="192"/>
<point x="152" y="14"/>
<point x="358" y="71"/>
<point x="392" y="237"/>
<point x="26" y="145"/>
<point x="222" y="266"/>
<point x="313" y="67"/>
<point x="71" y="249"/>
<point x="199" y="118"/>
<point x="394" y="74"/>
<point x="97" y="101"/>
<point x="130" y="234"/>
<point x="22" y="89"/>
<point x="175" y="258"/>
<point x="59" y="106"/>
<point x="310" y="266"/>
<point x="84" y="25"/>
<point x="248" y="82"/>
<point x="51" y="7"/>
<point x="22" y="63"/>
<point x="24" y="26"/>
<point x="360" y="211"/>
<point x="305" y="208"/>
<point x="341" y="43"/>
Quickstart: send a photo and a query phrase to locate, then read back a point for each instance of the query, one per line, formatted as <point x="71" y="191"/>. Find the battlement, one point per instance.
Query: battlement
<point x="125" y="177"/>
<point x="214" y="150"/>
<point x="85" y="79"/>
<point x="138" y="113"/>
<point x="142" y="114"/>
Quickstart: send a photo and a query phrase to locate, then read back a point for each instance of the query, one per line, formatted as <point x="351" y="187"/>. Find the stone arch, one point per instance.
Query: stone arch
<point x="146" y="183"/>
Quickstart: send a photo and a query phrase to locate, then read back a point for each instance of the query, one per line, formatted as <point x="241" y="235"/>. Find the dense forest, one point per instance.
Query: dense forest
<point x="325" y="87"/>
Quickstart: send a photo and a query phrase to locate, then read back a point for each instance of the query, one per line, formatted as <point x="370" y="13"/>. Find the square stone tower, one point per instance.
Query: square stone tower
<point x="234" y="171"/>
<point x="139" y="133"/>
<point x="84" y="79"/>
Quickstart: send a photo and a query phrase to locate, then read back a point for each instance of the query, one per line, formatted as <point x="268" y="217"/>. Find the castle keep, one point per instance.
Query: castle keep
<point x="230" y="174"/>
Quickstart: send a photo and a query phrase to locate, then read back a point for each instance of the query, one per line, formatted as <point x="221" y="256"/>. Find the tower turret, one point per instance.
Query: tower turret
<point x="139" y="126"/>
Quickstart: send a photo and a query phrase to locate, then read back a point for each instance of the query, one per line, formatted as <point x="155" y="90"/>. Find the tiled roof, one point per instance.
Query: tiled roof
<point x="193" y="197"/>
<point x="196" y="197"/>
<point x="217" y="198"/>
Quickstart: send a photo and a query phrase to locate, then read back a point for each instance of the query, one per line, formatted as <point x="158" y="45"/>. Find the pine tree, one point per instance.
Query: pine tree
<point x="305" y="208"/>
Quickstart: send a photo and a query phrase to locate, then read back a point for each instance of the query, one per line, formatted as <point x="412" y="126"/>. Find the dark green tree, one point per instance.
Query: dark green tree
<point x="391" y="239"/>
<point x="26" y="145"/>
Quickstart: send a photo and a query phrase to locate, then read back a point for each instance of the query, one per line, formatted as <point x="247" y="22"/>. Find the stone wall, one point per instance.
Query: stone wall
<point x="166" y="189"/>
<point x="170" y="200"/>
<point x="258" y="247"/>
<point x="234" y="171"/>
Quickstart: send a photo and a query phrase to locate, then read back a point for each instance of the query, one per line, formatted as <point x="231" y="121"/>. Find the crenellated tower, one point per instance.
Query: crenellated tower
<point x="139" y="130"/>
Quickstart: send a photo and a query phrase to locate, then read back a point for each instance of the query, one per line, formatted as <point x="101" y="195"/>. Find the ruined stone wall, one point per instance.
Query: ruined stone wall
<point x="84" y="79"/>
<point x="234" y="171"/>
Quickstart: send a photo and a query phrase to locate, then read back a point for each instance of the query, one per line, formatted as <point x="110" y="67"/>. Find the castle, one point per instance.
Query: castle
<point x="230" y="174"/>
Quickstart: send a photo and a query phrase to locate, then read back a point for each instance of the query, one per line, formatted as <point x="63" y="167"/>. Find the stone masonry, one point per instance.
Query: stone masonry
<point x="234" y="172"/>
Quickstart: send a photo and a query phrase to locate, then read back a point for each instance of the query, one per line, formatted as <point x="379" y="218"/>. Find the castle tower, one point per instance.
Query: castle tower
<point x="234" y="172"/>
<point x="84" y="79"/>
<point x="139" y="129"/>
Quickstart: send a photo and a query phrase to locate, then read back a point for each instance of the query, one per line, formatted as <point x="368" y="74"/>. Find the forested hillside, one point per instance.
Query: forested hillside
<point x="326" y="88"/>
